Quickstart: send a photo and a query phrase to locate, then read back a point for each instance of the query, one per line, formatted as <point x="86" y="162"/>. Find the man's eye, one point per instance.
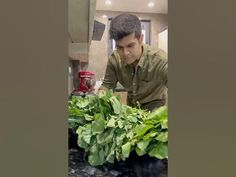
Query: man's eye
<point x="131" y="45"/>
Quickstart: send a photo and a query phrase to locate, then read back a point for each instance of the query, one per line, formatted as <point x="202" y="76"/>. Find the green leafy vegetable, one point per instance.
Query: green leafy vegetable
<point x="109" y="131"/>
<point x="159" y="151"/>
<point x="126" y="150"/>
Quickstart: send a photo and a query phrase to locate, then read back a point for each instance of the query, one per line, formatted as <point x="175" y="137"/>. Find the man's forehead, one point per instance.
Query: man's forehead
<point x="125" y="44"/>
<point x="126" y="41"/>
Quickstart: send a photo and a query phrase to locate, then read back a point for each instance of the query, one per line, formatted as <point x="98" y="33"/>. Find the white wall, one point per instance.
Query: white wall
<point x="163" y="40"/>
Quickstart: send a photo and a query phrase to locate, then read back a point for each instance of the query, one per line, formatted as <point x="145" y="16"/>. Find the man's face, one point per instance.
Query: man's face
<point x="129" y="48"/>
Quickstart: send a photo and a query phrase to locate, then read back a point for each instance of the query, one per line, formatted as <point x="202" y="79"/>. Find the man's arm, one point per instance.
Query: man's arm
<point x="110" y="79"/>
<point x="163" y="66"/>
<point x="164" y="71"/>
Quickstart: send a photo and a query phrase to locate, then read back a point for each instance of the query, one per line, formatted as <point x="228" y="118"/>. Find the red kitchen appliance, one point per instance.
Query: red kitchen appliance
<point x="86" y="81"/>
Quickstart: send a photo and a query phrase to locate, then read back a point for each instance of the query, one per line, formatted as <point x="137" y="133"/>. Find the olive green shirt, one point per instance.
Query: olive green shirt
<point x="145" y="83"/>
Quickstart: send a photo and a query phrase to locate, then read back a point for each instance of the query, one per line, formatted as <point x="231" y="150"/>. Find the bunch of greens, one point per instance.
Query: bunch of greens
<point x="109" y="131"/>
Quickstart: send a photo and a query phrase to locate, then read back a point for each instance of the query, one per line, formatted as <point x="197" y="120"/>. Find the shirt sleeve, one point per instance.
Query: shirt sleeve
<point x="164" y="71"/>
<point x="162" y="65"/>
<point x="110" y="79"/>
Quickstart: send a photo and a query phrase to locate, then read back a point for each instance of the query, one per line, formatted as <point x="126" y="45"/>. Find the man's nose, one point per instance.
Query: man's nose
<point x="126" y="52"/>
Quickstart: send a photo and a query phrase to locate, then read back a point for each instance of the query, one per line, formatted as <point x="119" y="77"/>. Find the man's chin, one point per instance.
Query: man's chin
<point x="129" y="62"/>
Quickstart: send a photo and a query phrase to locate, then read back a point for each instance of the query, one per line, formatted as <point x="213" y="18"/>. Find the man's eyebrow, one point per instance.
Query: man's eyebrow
<point x="132" y="43"/>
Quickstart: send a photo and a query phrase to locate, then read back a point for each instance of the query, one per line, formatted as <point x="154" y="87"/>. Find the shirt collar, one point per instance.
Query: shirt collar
<point x="143" y="56"/>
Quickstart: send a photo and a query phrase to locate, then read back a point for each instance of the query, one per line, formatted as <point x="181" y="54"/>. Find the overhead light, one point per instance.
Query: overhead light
<point x="104" y="16"/>
<point x="151" y="4"/>
<point x="108" y="2"/>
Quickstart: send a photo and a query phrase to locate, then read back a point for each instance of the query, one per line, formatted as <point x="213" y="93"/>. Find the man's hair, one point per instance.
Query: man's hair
<point x="123" y="25"/>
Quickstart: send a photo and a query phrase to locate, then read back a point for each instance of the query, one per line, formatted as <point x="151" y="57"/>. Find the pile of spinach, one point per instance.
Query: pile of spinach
<point x="109" y="130"/>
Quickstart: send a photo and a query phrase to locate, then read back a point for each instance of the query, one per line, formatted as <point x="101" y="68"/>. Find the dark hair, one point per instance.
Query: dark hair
<point x="123" y="25"/>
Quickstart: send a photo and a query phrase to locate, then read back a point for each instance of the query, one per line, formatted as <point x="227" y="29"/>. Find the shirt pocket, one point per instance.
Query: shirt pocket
<point x="145" y="76"/>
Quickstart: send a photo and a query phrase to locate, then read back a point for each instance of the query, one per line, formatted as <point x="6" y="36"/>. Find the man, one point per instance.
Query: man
<point x="139" y="68"/>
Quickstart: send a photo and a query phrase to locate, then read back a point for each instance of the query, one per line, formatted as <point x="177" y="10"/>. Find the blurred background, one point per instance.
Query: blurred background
<point x="88" y="23"/>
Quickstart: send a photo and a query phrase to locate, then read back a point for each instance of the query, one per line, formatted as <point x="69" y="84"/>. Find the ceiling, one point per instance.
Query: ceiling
<point x="138" y="6"/>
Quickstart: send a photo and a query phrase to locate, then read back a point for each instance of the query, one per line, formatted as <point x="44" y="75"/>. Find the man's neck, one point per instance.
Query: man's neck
<point x="134" y="64"/>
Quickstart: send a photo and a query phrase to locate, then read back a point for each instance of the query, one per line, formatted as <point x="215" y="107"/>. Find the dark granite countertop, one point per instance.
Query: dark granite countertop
<point x="134" y="166"/>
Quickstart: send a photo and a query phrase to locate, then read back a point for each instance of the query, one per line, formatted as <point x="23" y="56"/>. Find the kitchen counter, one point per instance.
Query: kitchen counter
<point x="134" y="166"/>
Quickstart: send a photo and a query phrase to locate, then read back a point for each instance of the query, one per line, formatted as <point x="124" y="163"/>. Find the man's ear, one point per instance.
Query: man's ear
<point x="141" y="39"/>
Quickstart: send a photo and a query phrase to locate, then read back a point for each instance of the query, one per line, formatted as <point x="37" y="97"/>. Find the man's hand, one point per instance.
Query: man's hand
<point x="102" y="89"/>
